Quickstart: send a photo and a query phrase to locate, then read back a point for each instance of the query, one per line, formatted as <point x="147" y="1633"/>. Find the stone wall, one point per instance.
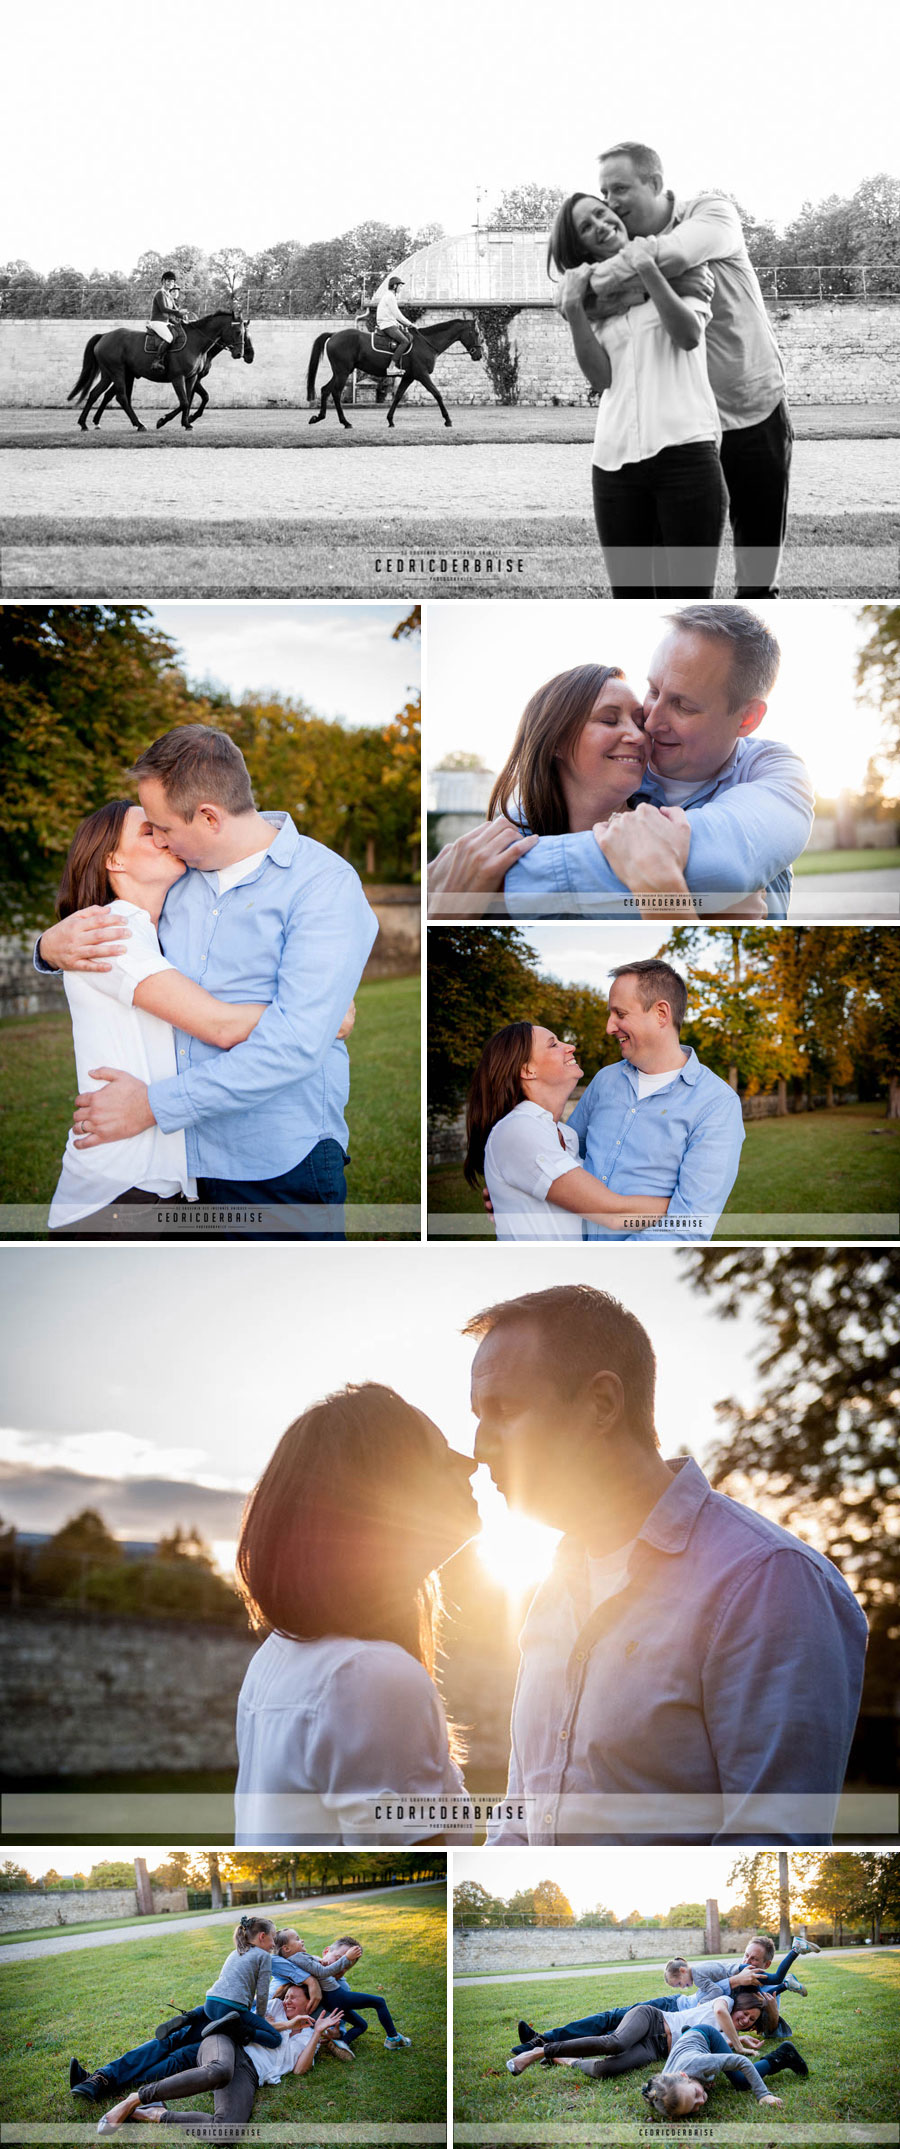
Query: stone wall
<point x="481" y="1953"/>
<point x="62" y="1676"/>
<point x="846" y="353"/>
<point x="24" y="1913"/>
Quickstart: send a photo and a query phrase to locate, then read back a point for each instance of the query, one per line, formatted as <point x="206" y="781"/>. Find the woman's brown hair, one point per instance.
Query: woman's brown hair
<point x="565" y="246"/>
<point x="321" y="1548"/>
<point x="550" y="726"/>
<point x="85" y="879"/>
<point x="495" y="1090"/>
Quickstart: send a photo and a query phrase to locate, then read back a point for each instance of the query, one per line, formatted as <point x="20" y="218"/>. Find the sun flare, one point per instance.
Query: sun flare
<point x="516" y="1551"/>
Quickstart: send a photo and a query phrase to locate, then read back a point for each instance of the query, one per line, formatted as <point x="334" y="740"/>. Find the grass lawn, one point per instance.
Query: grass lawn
<point x="37" y="1078"/>
<point x="846" y="861"/>
<point x="846" y="2031"/>
<point x="112" y="2000"/>
<point x="829" y="1163"/>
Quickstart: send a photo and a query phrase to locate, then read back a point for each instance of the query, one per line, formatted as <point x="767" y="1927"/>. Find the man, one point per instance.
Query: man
<point x="745" y="369"/>
<point x="391" y="322"/>
<point x="748" y="802"/>
<point x="754" y="1967"/>
<point x="263" y="913"/>
<point x="689" y="1670"/>
<point x="659" y="1122"/>
<point x="689" y="2007"/>
<point x="164" y="311"/>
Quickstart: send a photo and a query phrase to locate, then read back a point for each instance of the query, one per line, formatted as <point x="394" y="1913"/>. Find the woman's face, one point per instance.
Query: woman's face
<point x="140" y="859"/>
<point x="551" y="1061"/>
<point x="600" y="231"/>
<point x="438" y="1504"/>
<point x="611" y="752"/>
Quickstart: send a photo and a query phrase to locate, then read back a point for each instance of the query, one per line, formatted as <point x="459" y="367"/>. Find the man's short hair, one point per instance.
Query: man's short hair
<point x="762" y="1940"/>
<point x="198" y="766"/>
<point x="582" y="1332"/>
<point x="646" y="161"/>
<point x="657" y="981"/>
<point x="755" y="653"/>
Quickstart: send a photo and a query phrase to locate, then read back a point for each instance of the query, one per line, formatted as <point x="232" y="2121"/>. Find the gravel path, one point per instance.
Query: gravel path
<point x="632" y="1969"/>
<point x="26" y="1950"/>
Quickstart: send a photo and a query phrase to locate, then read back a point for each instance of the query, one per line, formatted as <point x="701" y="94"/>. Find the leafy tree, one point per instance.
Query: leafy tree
<point x="878" y="670"/>
<point x="111" y="1873"/>
<point x="229" y="268"/>
<point x="60" y="1568"/>
<point x="173" y="1871"/>
<point x="879" y="1896"/>
<point x="531" y="206"/>
<point x="479" y="979"/>
<point x="550" y="1904"/>
<point x="835" y="1892"/>
<point x="471" y="1900"/>
<point x="687" y="1914"/>
<point x="460" y="760"/>
<point x="13" y="1878"/>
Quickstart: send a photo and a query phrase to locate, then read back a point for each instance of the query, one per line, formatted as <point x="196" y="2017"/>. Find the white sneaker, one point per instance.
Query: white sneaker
<point x="341" y="2049"/>
<point x="393" y="2044"/>
<point x="806" y="1947"/>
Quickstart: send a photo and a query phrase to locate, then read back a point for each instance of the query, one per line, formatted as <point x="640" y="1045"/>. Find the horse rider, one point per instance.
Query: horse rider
<point x="165" y="310"/>
<point x="391" y="323"/>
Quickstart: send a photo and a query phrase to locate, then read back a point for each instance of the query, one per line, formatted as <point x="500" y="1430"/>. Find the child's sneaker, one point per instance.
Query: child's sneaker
<point x="395" y="2044"/>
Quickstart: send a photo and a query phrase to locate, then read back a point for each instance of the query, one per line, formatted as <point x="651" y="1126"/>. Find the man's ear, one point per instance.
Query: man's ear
<point x="751" y="717"/>
<point x="608" y="1401"/>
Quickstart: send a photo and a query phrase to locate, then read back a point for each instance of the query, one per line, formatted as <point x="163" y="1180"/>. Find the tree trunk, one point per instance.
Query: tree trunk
<point x="370" y="856"/>
<point x="733" y="1077"/>
<point x="713" y="1935"/>
<point x="782" y="1098"/>
<point x="784" y="1902"/>
<point x="829" y="1095"/>
<point x="215" y="1881"/>
<point x="893" y="1103"/>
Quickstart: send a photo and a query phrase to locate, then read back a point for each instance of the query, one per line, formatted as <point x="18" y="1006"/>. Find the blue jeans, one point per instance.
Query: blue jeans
<point x="264" y="2033"/>
<point x="318" y="1182"/>
<point x="160" y="2056"/>
<point x="350" y="2000"/>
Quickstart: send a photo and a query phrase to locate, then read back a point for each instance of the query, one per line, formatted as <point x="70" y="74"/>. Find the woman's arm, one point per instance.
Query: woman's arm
<point x="325" y="2025"/>
<point x="476" y="864"/>
<point x="678" y="318"/>
<point x="190" y="1007"/>
<point x="590" y="354"/>
<point x="583" y="1195"/>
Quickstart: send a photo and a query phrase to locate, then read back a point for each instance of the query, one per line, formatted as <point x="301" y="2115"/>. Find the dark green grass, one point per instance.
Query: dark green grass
<point x="829" y="1163"/>
<point x="846" y="861"/>
<point x="846" y="2030"/>
<point x="37" y="1082"/>
<point x="103" y="2000"/>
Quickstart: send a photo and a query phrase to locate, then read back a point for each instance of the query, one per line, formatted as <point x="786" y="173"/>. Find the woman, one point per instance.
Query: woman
<point x="579" y="754"/>
<point x="234" y="2070"/>
<point x="340" y="1726"/>
<point x="126" y="1017"/>
<point x="527" y="1157"/>
<point x="659" y="495"/>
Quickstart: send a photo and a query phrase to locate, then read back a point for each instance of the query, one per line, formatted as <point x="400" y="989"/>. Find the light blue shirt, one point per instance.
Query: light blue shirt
<point x="723" y="1678"/>
<point x="295" y="934"/>
<point x="684" y="1141"/>
<point x="748" y="823"/>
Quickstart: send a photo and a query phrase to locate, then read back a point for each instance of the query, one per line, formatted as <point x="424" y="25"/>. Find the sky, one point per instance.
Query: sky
<point x="338" y="658"/>
<point x="485" y="661"/>
<point x="270" y="126"/>
<point x="650" y="1881"/>
<point x="153" y="1383"/>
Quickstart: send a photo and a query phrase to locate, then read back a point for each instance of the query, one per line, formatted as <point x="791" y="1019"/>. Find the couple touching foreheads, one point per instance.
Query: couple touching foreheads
<point x="665" y="1684"/>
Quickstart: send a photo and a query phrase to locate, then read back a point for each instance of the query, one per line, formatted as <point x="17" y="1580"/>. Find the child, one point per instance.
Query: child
<point x="393" y="2042"/>
<point x="242" y="1986"/>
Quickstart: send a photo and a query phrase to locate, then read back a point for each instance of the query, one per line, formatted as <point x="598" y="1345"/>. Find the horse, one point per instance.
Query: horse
<point x="352" y="349"/>
<point x="194" y="386"/>
<point x="117" y="358"/>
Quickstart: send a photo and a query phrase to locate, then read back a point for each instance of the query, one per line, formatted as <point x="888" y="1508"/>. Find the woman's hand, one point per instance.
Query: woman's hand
<point x="648" y="849"/>
<point x="476" y="864"/>
<point x="349" y="1020"/>
<point x="571" y="294"/>
<point x="637" y="253"/>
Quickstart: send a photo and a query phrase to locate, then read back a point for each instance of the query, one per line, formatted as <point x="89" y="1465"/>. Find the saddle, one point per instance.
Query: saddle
<point x="382" y="344"/>
<point x="155" y="345"/>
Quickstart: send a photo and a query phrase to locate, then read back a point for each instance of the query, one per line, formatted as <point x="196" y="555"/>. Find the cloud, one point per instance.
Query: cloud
<point x="143" y="1507"/>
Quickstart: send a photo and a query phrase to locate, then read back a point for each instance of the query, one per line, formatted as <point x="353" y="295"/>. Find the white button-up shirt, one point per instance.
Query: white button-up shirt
<point x="523" y="1157"/>
<point x="659" y="396"/>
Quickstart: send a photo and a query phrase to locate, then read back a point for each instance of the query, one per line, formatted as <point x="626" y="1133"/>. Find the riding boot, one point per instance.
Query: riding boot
<point x="158" y="367"/>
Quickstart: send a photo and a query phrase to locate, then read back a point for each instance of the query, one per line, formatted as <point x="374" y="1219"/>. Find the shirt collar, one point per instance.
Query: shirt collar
<point x="690" y="1072"/>
<point x="650" y="780"/>
<point x="285" y="844"/>
<point x="668" y="1525"/>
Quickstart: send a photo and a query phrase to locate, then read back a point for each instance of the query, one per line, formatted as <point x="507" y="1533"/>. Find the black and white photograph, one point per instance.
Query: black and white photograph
<point x="569" y="308"/>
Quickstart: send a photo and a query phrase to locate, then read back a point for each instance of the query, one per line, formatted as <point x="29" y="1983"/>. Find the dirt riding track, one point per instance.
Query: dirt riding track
<point x="497" y="506"/>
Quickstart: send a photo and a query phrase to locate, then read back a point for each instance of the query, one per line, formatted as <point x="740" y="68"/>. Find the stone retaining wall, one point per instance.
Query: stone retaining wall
<point x="481" y="1953"/>
<point x="24" y="1913"/>
<point x="65" y="1679"/>
<point x="833" y="354"/>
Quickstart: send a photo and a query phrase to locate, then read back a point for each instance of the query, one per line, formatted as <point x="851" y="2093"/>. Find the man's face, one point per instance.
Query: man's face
<point x="687" y="718"/>
<point x="755" y="1957"/>
<point x="193" y="841"/>
<point x="635" y="200"/>
<point x="636" y="1029"/>
<point x="526" y="1428"/>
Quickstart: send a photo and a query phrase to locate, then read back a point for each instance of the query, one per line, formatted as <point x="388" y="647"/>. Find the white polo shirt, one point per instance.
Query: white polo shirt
<point x="109" y="1031"/>
<point x="523" y="1157"/>
<point x="659" y="396"/>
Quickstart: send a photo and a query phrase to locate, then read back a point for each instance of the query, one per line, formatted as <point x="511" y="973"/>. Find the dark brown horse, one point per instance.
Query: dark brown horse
<point x="352" y="350"/>
<point x="195" y="387"/>
<point x="116" y="359"/>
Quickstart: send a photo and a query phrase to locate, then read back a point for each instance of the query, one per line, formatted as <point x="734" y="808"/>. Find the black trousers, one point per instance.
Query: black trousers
<point x="756" y="462"/>
<point x="232" y="2101"/>
<point x="660" y="522"/>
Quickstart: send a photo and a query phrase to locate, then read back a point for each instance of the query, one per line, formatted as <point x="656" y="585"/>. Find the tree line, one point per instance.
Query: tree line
<point x="85" y="688"/>
<point x="843" y="235"/>
<point x="841" y="1892"/>
<point x="254" y="1875"/>
<point x="85" y="1568"/>
<point x="808" y="1012"/>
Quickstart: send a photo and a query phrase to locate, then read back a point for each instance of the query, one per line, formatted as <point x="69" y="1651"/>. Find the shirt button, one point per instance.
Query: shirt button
<point x="181" y="1052"/>
<point x="548" y="1820"/>
<point x="564" y="1734"/>
<point x="215" y="913"/>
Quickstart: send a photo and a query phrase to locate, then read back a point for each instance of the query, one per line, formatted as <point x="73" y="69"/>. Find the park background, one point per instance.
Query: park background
<point x="121" y="1973"/>
<point x="121" y="1496"/>
<point x="546" y="1935"/>
<point x="802" y="1021"/>
<point x="836" y="703"/>
<point x="83" y="689"/>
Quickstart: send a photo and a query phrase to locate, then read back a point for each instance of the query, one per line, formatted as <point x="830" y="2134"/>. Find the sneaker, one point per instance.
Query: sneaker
<point x="806" y="1947"/>
<point x="787" y="2056"/>
<point x="396" y="2043"/>
<point x="793" y="1985"/>
<point x="77" y="2073"/>
<point x="341" y="2049"/>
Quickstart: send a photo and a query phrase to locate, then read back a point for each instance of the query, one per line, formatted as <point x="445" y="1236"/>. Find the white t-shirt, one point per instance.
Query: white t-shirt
<point x="607" y="1574"/>
<point x="327" y="1730"/>
<point x="221" y="878"/>
<point x="273" y="2062"/>
<point x="659" y="396"/>
<point x="523" y="1157"/>
<point x="688" y="2018"/>
<point x="109" y="1031"/>
<point x="648" y="1084"/>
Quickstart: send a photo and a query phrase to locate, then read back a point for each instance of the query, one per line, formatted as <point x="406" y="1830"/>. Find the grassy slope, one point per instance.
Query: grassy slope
<point x="37" y="1076"/>
<point x="113" y="1998"/>
<point x="846" y="861"/>
<point x="846" y="2030"/>
<point x="828" y="1163"/>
